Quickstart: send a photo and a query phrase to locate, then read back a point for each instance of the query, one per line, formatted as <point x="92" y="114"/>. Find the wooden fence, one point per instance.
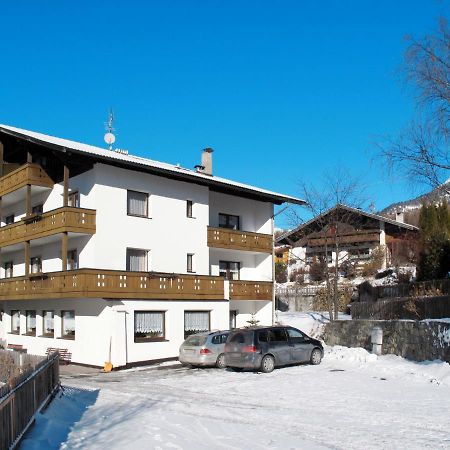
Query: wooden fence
<point x="401" y="308"/>
<point x="422" y="289"/>
<point x="23" y="397"/>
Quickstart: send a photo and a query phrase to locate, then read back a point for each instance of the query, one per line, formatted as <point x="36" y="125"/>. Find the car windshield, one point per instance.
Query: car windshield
<point x="195" y="341"/>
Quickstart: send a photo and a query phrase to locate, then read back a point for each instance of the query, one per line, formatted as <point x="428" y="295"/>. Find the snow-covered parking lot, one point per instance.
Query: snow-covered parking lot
<point x="353" y="400"/>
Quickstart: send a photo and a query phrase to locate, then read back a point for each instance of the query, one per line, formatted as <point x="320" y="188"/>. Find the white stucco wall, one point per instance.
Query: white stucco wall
<point x="99" y="322"/>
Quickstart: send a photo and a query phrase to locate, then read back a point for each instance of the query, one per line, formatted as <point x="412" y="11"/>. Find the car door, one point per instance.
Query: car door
<point x="279" y="345"/>
<point x="299" y="345"/>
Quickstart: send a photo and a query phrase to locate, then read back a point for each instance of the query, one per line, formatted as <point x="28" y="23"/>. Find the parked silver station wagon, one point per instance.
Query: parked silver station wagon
<point x="264" y="348"/>
<point x="204" y="349"/>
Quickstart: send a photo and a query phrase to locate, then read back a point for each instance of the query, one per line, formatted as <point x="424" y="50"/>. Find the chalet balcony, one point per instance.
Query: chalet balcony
<point x="97" y="283"/>
<point x="239" y="240"/>
<point x="345" y="239"/>
<point x="251" y="290"/>
<point x="29" y="173"/>
<point x="65" y="219"/>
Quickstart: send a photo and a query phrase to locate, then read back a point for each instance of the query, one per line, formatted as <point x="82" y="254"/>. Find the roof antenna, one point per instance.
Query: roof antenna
<point x="109" y="136"/>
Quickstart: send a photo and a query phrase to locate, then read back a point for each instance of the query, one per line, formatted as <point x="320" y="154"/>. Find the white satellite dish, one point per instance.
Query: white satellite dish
<point x="110" y="138"/>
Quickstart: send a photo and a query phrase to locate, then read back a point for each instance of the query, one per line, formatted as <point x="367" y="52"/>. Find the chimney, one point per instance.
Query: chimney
<point x="400" y="216"/>
<point x="207" y="161"/>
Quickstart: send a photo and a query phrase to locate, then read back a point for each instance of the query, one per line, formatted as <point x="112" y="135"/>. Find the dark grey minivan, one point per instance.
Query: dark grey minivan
<point x="264" y="348"/>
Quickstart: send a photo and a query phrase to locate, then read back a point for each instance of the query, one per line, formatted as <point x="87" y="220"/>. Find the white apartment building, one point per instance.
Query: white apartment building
<point x="118" y="258"/>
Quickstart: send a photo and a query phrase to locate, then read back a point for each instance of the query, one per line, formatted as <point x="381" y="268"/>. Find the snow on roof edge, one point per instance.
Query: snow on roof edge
<point x="131" y="159"/>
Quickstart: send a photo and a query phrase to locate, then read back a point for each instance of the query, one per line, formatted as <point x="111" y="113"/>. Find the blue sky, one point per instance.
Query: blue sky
<point x="282" y="90"/>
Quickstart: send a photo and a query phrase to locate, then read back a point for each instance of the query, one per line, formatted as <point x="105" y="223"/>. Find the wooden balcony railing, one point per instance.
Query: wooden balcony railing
<point x="354" y="238"/>
<point x="239" y="240"/>
<point x="66" y="219"/>
<point x="251" y="290"/>
<point x="27" y="174"/>
<point x="112" y="284"/>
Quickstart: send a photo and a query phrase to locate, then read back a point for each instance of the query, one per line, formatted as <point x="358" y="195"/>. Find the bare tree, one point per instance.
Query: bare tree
<point x="336" y="188"/>
<point x="422" y="150"/>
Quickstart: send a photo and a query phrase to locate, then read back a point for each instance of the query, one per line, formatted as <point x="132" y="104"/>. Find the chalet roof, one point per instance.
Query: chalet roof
<point x="284" y="238"/>
<point x="159" y="168"/>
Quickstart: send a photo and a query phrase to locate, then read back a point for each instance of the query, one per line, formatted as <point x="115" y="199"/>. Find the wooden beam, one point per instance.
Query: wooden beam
<point x="66" y="186"/>
<point x="27" y="258"/>
<point x="2" y="149"/>
<point x="64" y="246"/>
<point x="28" y="200"/>
<point x="29" y="157"/>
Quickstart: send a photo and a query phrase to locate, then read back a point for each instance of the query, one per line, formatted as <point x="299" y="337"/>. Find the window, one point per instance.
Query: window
<point x="36" y="264"/>
<point x="37" y="209"/>
<point x="263" y="336"/>
<point x="15" y="321"/>
<point x="278" y="335"/>
<point x="68" y="324"/>
<point x="137" y="204"/>
<point x="233" y="315"/>
<point x="9" y="219"/>
<point x="74" y="199"/>
<point x="149" y="326"/>
<point x="228" y="221"/>
<point x="137" y="260"/>
<point x="49" y="323"/>
<point x="229" y="270"/>
<point x="189" y="207"/>
<point x="9" y="265"/>
<point x="195" y="322"/>
<point x="296" y="336"/>
<point x="72" y="260"/>
<point x="220" y="339"/>
<point x="190" y="262"/>
<point x="31" y="323"/>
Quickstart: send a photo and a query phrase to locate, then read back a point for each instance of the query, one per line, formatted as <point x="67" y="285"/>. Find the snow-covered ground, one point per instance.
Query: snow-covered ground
<point x="353" y="400"/>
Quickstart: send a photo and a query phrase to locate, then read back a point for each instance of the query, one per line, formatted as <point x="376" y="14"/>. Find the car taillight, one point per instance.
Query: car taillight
<point x="204" y="351"/>
<point x="249" y="349"/>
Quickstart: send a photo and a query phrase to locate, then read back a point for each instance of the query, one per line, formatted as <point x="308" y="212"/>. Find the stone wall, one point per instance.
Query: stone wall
<point x="419" y="341"/>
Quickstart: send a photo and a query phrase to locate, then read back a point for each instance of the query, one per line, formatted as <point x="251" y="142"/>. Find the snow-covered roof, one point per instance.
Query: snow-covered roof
<point x="161" y="168"/>
<point x="407" y="226"/>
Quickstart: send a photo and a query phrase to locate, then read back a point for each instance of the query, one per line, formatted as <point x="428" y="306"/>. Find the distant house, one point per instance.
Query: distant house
<point x="357" y="233"/>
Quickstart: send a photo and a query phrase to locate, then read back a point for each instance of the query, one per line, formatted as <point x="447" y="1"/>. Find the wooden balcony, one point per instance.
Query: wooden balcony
<point x="66" y="219"/>
<point x="345" y="239"/>
<point x="251" y="290"/>
<point x="239" y="240"/>
<point x="99" y="283"/>
<point x="29" y="173"/>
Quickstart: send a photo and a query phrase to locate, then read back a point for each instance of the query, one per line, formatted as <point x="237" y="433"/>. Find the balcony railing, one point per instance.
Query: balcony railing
<point x="27" y="174"/>
<point x="251" y="290"/>
<point x="239" y="240"/>
<point x="99" y="283"/>
<point x="66" y="219"/>
<point x="355" y="238"/>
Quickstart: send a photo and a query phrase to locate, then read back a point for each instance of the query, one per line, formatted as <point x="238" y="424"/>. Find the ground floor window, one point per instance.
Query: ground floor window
<point x="68" y="324"/>
<point x="15" y="321"/>
<point x="149" y="326"/>
<point x="196" y="322"/>
<point x="31" y="323"/>
<point x="49" y="323"/>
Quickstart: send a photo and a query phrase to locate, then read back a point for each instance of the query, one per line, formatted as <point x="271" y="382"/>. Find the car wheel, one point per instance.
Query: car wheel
<point x="316" y="357"/>
<point x="267" y="364"/>
<point x="220" y="363"/>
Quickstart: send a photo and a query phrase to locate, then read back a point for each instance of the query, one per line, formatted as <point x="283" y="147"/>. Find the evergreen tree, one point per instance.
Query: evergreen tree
<point x="434" y="222"/>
